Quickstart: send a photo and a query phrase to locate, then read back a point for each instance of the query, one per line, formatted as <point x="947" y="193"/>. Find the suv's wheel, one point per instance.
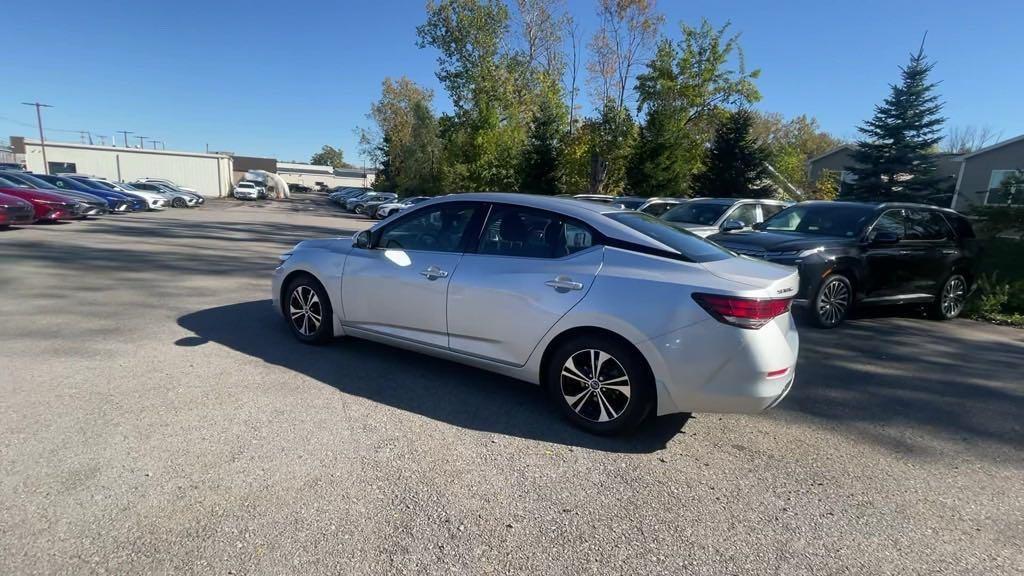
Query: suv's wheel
<point x="832" y="302"/>
<point x="308" y="310"/>
<point x="951" y="298"/>
<point x="600" y="384"/>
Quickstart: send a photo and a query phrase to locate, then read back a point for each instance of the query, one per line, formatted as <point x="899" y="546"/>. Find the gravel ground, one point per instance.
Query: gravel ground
<point x="157" y="417"/>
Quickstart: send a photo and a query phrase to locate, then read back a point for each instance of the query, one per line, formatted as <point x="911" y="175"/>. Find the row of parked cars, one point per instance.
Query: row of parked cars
<point x="27" y="197"/>
<point x="374" y="204"/>
<point x="848" y="253"/>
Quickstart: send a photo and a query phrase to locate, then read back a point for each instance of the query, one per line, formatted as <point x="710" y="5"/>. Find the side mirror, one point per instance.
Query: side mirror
<point x="758" y="226"/>
<point x="885" y="237"/>
<point x="362" y="240"/>
<point x="733" y="225"/>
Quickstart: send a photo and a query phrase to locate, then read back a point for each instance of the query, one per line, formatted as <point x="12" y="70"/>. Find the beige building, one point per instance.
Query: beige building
<point x="312" y="175"/>
<point x="208" y="174"/>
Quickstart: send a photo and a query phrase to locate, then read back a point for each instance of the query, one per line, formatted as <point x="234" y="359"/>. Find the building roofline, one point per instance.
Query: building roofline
<point x="994" y="146"/>
<point x="56" y="144"/>
<point x="832" y="151"/>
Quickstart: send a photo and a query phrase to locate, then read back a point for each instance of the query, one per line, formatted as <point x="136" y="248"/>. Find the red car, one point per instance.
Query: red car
<point x="47" y="206"/>
<point x="14" y="210"/>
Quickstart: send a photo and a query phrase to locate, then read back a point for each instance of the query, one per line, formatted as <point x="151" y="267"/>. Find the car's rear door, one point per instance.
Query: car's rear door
<point x="399" y="286"/>
<point x="527" y="270"/>
<point x="934" y="249"/>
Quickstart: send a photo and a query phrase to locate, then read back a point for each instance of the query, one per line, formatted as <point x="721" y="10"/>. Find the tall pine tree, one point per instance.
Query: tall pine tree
<point x="737" y="164"/>
<point x="894" y="160"/>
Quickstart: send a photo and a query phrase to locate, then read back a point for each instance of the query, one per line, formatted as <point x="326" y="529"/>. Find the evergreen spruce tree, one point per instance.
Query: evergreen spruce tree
<point x="541" y="156"/>
<point x="894" y="160"/>
<point x="736" y="164"/>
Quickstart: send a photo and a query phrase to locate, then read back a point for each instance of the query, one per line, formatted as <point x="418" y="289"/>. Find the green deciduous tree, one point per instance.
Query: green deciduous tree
<point x="687" y="87"/>
<point x="330" y="156"/>
<point x="395" y="141"/>
<point x="894" y="159"/>
<point x="791" y="144"/>
<point x="735" y="166"/>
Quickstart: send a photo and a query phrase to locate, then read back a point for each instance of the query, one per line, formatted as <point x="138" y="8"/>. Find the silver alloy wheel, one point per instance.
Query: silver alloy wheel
<point x="595" y="385"/>
<point x="954" y="295"/>
<point x="305" y="310"/>
<point x="833" y="301"/>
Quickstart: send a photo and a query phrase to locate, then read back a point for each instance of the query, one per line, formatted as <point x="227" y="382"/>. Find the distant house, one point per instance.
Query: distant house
<point x="988" y="176"/>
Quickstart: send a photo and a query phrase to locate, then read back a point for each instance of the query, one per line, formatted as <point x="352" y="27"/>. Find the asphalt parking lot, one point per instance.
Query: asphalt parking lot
<point x="156" y="416"/>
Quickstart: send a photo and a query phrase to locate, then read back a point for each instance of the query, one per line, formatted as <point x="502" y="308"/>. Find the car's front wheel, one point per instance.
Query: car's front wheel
<point x="832" y="303"/>
<point x="179" y="203"/>
<point x="951" y="298"/>
<point x="600" y="384"/>
<point x="308" y="310"/>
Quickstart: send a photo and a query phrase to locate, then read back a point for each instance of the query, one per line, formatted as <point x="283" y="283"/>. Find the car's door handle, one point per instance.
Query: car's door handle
<point x="433" y="273"/>
<point x="948" y="251"/>
<point x="904" y="252"/>
<point x="564" y="284"/>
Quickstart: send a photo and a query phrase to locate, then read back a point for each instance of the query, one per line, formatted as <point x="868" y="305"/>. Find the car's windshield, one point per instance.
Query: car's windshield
<point x="705" y="214"/>
<point x="100" y="184"/>
<point x="846" y="220"/>
<point x="686" y="243"/>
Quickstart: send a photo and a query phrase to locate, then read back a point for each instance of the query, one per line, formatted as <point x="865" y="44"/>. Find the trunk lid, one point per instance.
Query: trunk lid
<point x="774" y="280"/>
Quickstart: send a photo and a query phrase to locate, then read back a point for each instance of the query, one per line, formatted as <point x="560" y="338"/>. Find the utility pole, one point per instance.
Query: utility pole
<point x="103" y="139"/>
<point x="141" y="138"/>
<point x="42" y="140"/>
<point x="126" y="133"/>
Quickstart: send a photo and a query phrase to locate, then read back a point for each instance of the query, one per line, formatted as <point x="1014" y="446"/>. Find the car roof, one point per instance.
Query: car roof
<point x="883" y="205"/>
<point x="591" y="213"/>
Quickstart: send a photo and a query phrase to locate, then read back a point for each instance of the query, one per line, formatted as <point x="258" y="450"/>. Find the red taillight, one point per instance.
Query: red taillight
<point x="750" y="313"/>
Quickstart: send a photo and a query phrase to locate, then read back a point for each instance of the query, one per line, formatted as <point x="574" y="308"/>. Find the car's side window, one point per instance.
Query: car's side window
<point x="437" y="229"/>
<point x="658" y="208"/>
<point x="746" y="213"/>
<point x="891" y="221"/>
<point x="769" y="210"/>
<point x="926" y="225"/>
<point x="528" y="233"/>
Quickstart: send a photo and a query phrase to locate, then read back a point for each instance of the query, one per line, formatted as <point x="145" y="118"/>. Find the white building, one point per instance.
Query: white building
<point x="311" y="175"/>
<point x="209" y="174"/>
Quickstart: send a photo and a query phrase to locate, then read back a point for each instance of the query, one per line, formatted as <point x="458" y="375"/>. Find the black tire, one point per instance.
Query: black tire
<point x="301" y="310"/>
<point x="624" y="386"/>
<point x="950" y="300"/>
<point x="832" y="302"/>
<point x="360" y="209"/>
<point x="179" y="203"/>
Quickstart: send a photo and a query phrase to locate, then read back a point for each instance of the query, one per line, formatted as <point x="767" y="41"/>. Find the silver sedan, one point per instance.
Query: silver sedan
<point x="617" y="314"/>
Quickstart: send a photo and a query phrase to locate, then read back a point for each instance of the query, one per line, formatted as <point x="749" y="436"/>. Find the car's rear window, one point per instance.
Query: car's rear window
<point x="688" y="244"/>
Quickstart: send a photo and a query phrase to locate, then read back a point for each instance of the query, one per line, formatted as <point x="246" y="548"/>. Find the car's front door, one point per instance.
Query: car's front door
<point x="527" y="270"/>
<point x="398" y="286"/>
<point x="888" y="273"/>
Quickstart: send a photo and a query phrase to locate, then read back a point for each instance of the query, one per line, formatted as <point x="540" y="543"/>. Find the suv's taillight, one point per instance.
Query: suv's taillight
<point x="749" y="313"/>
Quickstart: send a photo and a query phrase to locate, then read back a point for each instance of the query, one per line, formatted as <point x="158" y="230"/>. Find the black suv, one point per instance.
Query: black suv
<point x="866" y="254"/>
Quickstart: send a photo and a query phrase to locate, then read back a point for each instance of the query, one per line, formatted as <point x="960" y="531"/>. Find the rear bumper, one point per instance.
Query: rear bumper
<point x="713" y="367"/>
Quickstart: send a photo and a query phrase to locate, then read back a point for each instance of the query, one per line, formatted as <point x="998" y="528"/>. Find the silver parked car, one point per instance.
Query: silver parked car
<point x="616" y="313"/>
<point x="707" y="216"/>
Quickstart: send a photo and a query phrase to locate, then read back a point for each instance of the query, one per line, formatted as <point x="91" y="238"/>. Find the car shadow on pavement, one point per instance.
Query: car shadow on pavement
<point x="438" y="389"/>
<point x="903" y="382"/>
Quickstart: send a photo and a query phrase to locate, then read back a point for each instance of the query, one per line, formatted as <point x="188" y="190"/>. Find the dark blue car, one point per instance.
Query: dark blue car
<point x="118" y="202"/>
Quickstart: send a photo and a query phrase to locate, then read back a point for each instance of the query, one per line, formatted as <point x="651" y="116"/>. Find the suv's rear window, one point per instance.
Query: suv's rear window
<point x="690" y="245"/>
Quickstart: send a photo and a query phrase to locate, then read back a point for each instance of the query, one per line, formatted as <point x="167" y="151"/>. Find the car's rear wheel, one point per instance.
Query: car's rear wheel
<point x="832" y="303"/>
<point x="951" y="298"/>
<point x="308" y="310"/>
<point x="600" y="384"/>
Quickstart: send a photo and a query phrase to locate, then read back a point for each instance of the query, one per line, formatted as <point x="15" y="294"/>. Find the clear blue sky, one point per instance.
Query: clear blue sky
<point x="281" y="79"/>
